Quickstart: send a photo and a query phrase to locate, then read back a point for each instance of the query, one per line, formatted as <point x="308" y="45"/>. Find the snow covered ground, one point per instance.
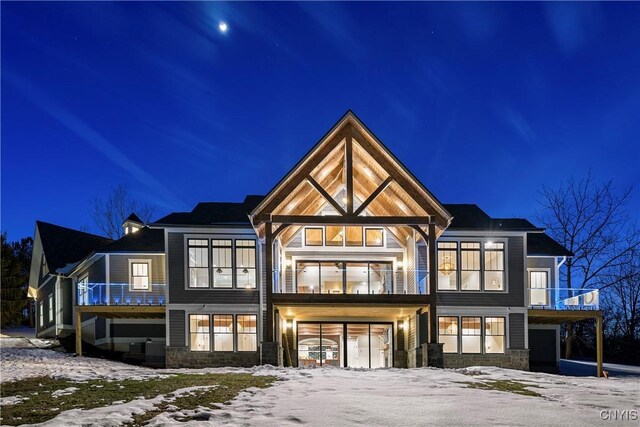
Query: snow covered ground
<point x="344" y="397"/>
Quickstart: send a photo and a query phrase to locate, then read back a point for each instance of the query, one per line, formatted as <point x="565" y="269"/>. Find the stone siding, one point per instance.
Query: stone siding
<point x="512" y="359"/>
<point x="181" y="357"/>
<point x="432" y="355"/>
<point x="399" y="359"/>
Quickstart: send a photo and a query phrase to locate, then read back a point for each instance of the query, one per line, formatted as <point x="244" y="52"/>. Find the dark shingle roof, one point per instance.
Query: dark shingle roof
<point x="211" y="213"/>
<point x="144" y="240"/>
<point x="542" y="244"/>
<point x="133" y="218"/>
<point x="64" y="246"/>
<point x="471" y="217"/>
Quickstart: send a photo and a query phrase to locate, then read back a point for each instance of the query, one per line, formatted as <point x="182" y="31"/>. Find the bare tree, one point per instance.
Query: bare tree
<point x="591" y="220"/>
<point x="622" y="299"/>
<point x="109" y="213"/>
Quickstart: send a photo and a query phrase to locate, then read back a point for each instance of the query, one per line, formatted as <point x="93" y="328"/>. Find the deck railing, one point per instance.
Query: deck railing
<point x="564" y="299"/>
<point x="119" y="294"/>
<point x="357" y="281"/>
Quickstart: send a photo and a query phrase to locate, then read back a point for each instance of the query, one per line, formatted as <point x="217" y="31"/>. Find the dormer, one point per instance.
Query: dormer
<point x="132" y="224"/>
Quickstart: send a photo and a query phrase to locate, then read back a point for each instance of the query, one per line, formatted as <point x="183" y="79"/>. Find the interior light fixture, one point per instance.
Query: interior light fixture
<point x="219" y="270"/>
<point x="447" y="266"/>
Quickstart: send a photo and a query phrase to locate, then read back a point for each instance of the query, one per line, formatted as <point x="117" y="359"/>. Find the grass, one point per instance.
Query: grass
<point x="505" y="385"/>
<point x="42" y="406"/>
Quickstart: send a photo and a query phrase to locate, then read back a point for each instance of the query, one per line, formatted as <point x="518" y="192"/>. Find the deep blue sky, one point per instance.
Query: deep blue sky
<point x="485" y="103"/>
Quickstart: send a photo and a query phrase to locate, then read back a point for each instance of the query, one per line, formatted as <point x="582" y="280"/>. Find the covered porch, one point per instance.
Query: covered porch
<point x="357" y="334"/>
<point x="539" y="316"/>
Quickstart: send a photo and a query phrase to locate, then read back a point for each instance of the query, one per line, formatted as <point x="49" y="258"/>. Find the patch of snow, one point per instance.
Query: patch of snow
<point x="12" y="400"/>
<point x="64" y="392"/>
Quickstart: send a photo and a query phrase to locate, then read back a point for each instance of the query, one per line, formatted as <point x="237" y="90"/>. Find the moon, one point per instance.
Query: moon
<point x="223" y="27"/>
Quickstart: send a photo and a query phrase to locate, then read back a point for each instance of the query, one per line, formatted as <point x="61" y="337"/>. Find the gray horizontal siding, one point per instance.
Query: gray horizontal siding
<point x="516" y="331"/>
<point x="119" y="267"/>
<point x="177" y="328"/>
<point x="514" y="297"/>
<point x="146" y="330"/>
<point x="100" y="328"/>
<point x="178" y="294"/>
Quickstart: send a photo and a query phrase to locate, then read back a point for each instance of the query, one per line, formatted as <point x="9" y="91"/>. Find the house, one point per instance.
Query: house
<point x="348" y="261"/>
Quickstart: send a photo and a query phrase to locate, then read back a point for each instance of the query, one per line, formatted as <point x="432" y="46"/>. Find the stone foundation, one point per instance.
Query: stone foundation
<point x="399" y="359"/>
<point x="181" y="357"/>
<point x="432" y="355"/>
<point x="512" y="359"/>
<point x="414" y="358"/>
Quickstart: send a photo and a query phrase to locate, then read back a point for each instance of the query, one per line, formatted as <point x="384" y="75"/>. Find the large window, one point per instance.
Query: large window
<point x="447" y="266"/>
<point x="471" y="334"/>
<point x="334" y="235"/>
<point x="223" y="332"/>
<point x="494" y="266"/>
<point x="338" y="277"/>
<point x="338" y="235"/>
<point x="246" y="264"/>
<point x="538" y="283"/>
<point x="222" y="263"/>
<point x="198" y="263"/>
<point x="199" y="332"/>
<point x="470" y="266"/>
<point x="247" y="332"/>
<point x="494" y="334"/>
<point x="230" y="332"/>
<point x="232" y="263"/>
<point x="448" y="334"/>
<point x="51" y="319"/>
<point x="139" y="275"/>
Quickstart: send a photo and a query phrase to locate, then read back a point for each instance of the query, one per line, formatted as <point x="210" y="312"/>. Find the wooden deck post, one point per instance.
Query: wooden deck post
<point x="78" y="332"/>
<point x="433" y="284"/>
<point x="599" y="344"/>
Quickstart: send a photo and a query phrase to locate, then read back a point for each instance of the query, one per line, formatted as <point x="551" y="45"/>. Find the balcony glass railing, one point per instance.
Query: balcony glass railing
<point x="357" y="278"/>
<point x="564" y="299"/>
<point x="119" y="294"/>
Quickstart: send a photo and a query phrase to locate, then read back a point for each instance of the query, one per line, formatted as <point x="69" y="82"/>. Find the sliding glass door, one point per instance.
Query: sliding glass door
<point x="355" y="345"/>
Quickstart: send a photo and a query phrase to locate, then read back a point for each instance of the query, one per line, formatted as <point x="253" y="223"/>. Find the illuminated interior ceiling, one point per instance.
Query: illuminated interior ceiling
<point x="324" y="170"/>
<point x="315" y="312"/>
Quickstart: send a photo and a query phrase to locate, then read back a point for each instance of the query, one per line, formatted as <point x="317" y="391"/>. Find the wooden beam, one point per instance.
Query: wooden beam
<point x="433" y="283"/>
<point x="78" y="332"/>
<point x="326" y="195"/>
<point x="349" y="173"/>
<point x="351" y="220"/>
<point x="373" y="195"/>
<point x="279" y="230"/>
<point x="599" y="345"/>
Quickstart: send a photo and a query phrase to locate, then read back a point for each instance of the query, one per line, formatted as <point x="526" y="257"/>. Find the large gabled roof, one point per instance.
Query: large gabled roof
<point x="213" y="213"/>
<point x="63" y="246"/>
<point x="471" y="217"/>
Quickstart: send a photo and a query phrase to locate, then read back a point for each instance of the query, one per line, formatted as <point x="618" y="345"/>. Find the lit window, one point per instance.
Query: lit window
<point x="447" y="266"/>
<point x="470" y="266"/>
<point x="354" y="235"/>
<point x="43" y="267"/>
<point x="139" y="279"/>
<point x="494" y="266"/>
<point x="313" y="236"/>
<point x="198" y="263"/>
<point x="199" y="332"/>
<point x="471" y="334"/>
<point x="41" y="314"/>
<point x="223" y="332"/>
<point x="246" y="264"/>
<point x="247" y="332"/>
<point x="51" y="319"/>
<point x="222" y="264"/>
<point x="494" y="335"/>
<point x="334" y="235"/>
<point x="448" y="334"/>
<point x="373" y="237"/>
<point x="538" y="282"/>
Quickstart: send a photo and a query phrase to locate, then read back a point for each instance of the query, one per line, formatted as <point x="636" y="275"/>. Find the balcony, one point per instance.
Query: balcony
<point x="350" y="278"/>
<point x="119" y="294"/>
<point x="564" y="299"/>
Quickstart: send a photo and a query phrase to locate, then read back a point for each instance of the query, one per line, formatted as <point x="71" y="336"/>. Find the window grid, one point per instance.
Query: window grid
<point x="344" y="236"/>
<point x="140" y="275"/>
<point x="223" y="332"/>
<point x="198" y="253"/>
<point x="199" y="332"/>
<point x="468" y="266"/>
<point x="448" y="333"/>
<point x="232" y="264"/>
<point x="222" y="263"/>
